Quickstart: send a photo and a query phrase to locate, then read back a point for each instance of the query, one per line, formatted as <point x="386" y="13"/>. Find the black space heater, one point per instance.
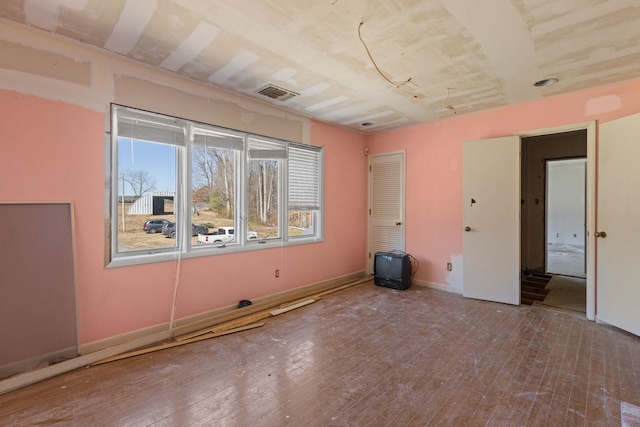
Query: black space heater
<point x="392" y="270"/>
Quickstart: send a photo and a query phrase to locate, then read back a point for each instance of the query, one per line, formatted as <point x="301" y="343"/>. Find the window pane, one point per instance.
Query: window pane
<point x="214" y="192"/>
<point x="146" y="195"/>
<point x="263" y="186"/>
<point x="302" y="223"/>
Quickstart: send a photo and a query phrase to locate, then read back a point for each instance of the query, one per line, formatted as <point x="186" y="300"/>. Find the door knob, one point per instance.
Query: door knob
<point x="600" y="234"/>
<point x="398" y="223"/>
<point x="467" y="229"/>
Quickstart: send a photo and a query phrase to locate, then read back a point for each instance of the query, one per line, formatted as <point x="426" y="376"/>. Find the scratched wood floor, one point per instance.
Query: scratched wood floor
<point x="365" y="356"/>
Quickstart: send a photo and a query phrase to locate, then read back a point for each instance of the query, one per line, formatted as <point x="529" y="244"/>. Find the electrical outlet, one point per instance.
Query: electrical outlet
<point x="449" y="266"/>
<point x="277" y="273"/>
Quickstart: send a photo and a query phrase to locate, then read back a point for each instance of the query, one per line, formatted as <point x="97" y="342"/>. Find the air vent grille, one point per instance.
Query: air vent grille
<point x="275" y="92"/>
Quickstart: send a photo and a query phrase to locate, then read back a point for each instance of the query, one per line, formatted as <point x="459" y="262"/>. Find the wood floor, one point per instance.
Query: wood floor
<point x="364" y="356"/>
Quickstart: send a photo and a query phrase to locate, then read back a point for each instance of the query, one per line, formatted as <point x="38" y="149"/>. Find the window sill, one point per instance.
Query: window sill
<point x="205" y="251"/>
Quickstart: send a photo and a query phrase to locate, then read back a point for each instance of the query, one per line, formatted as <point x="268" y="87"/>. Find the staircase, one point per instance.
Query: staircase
<point x="532" y="287"/>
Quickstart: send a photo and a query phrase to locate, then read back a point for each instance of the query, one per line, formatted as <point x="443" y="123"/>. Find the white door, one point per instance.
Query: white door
<point x="618" y="227"/>
<point x="491" y="220"/>
<point x="386" y="203"/>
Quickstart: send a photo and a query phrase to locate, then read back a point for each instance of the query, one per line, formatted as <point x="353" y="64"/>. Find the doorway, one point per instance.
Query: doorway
<point x="525" y="169"/>
<point x="553" y="218"/>
<point x="566" y="217"/>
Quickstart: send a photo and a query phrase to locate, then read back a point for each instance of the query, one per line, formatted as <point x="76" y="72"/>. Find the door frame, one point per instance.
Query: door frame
<point x="592" y="161"/>
<point x="368" y="254"/>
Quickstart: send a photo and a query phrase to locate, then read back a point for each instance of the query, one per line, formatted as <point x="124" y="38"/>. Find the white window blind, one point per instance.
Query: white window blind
<point x="142" y="126"/>
<point x="265" y="149"/>
<point x="216" y="139"/>
<point x="304" y="177"/>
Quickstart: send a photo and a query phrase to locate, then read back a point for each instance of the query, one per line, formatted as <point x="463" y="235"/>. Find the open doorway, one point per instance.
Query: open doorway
<point x="546" y="277"/>
<point x="566" y="217"/>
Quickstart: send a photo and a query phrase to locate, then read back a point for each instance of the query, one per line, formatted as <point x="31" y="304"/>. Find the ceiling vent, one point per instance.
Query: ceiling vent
<point x="275" y="92"/>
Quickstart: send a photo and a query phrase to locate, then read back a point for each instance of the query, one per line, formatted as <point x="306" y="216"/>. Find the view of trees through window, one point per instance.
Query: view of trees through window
<point x="214" y="184"/>
<point x="263" y="195"/>
<point x="236" y="180"/>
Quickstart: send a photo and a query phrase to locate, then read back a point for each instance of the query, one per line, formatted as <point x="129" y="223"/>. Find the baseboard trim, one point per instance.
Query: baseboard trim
<point x="31" y="377"/>
<point x="98" y="350"/>
<point x="437" y="286"/>
<point x="38" y="361"/>
<point x="117" y="340"/>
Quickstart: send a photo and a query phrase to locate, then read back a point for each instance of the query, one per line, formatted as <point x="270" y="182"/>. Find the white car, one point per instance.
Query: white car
<point x="222" y="235"/>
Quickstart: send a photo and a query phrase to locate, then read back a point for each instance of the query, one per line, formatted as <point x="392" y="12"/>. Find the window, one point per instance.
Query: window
<point x="147" y="150"/>
<point x="264" y="170"/>
<point x="214" y="168"/>
<point x="181" y="188"/>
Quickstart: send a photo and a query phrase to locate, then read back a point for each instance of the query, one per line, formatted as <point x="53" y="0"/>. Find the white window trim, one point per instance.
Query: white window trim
<point x="183" y="200"/>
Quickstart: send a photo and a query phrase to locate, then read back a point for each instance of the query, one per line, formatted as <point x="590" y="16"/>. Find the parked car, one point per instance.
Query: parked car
<point x="222" y="235"/>
<point x="169" y="229"/>
<point x="154" y="225"/>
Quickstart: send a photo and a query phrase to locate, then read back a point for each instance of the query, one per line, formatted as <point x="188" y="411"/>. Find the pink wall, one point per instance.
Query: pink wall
<point x="52" y="151"/>
<point x="251" y="274"/>
<point x="434" y="163"/>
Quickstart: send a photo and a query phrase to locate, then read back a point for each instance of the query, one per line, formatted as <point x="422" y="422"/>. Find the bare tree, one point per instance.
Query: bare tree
<point x="203" y="167"/>
<point x="263" y="189"/>
<point x="214" y="177"/>
<point x="213" y="168"/>
<point x="140" y="181"/>
<point x="224" y="180"/>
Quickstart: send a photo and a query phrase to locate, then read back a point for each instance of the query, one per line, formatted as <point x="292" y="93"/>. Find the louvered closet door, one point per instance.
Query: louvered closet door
<point x="386" y="204"/>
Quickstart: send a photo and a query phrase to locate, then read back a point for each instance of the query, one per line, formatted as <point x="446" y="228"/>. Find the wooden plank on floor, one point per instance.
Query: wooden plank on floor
<point x="260" y="315"/>
<point x="232" y="324"/>
<point x="177" y="343"/>
<point x="339" y="288"/>
<point x="264" y="303"/>
<point x="236" y="325"/>
<point x="292" y="307"/>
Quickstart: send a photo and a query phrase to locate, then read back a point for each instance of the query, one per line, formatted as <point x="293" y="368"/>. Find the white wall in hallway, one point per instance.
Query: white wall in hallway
<point x="566" y="201"/>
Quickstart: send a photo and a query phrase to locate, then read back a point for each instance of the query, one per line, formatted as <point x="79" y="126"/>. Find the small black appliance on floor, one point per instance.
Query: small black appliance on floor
<point x="392" y="270"/>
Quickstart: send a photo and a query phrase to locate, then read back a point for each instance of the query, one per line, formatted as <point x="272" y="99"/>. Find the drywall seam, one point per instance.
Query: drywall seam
<point x="141" y="93"/>
<point x="134" y="18"/>
<point x="18" y="57"/>
<point x="52" y="89"/>
<point x="107" y="67"/>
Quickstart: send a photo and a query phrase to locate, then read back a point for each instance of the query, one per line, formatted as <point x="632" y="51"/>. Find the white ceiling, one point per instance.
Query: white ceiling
<point x="484" y="53"/>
